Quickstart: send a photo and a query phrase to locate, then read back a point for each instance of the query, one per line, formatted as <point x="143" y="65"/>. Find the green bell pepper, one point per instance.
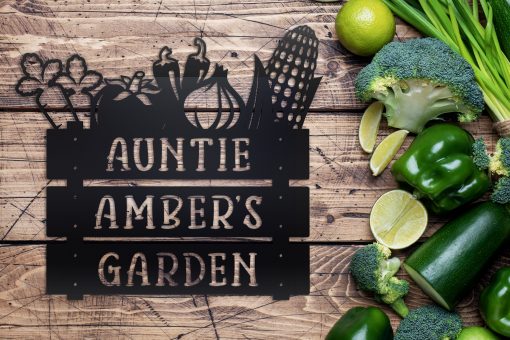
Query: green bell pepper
<point x="362" y="323"/>
<point x="495" y="302"/>
<point x="438" y="168"/>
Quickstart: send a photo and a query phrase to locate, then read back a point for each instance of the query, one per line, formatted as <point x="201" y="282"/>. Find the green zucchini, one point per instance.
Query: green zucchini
<point x="448" y="264"/>
<point x="501" y="10"/>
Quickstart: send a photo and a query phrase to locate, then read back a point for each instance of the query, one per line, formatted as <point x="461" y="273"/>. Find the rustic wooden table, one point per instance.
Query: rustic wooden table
<point x="116" y="38"/>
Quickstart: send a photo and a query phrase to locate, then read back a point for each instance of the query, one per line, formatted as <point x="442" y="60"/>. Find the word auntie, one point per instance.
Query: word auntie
<point x="226" y="155"/>
<point x="179" y="154"/>
<point x="189" y="269"/>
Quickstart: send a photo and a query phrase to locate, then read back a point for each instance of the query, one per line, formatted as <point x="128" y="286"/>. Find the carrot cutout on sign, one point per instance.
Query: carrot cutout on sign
<point x="47" y="82"/>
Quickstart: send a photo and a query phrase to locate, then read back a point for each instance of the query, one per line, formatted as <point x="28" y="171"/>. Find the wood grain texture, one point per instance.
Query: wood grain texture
<point x="119" y="39"/>
<point x="26" y="312"/>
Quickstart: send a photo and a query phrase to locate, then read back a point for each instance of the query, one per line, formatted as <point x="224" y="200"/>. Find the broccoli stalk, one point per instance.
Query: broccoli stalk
<point x="410" y="104"/>
<point x="429" y="323"/>
<point x="374" y="271"/>
<point x="419" y="80"/>
<point x="498" y="165"/>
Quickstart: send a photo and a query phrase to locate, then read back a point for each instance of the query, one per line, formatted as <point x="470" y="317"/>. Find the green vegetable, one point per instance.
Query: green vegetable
<point x="374" y="271"/>
<point x="501" y="191"/>
<point x="458" y="24"/>
<point x="495" y="302"/>
<point x="429" y="323"/>
<point x="500" y="161"/>
<point x="447" y="265"/>
<point x="480" y="156"/>
<point x="360" y="323"/>
<point x="418" y="80"/>
<point x="476" y="333"/>
<point x="501" y="10"/>
<point x="498" y="165"/>
<point x="439" y="169"/>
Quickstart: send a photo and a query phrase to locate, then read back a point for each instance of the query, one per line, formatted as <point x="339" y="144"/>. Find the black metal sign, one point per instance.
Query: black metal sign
<point x="177" y="268"/>
<point x="232" y="154"/>
<point x="177" y="211"/>
<point x="140" y="128"/>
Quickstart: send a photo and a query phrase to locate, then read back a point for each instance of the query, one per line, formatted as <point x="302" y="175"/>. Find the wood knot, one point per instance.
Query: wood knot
<point x="333" y="65"/>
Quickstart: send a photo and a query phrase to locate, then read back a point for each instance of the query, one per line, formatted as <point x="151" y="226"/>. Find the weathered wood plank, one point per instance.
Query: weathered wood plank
<point x="342" y="187"/>
<point x="26" y="310"/>
<point x="122" y="38"/>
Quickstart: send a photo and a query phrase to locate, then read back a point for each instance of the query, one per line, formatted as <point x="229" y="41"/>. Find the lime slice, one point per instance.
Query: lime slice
<point x="398" y="219"/>
<point x="369" y="126"/>
<point x="385" y="151"/>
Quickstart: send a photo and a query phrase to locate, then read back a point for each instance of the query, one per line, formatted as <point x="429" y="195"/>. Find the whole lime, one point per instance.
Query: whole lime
<point x="364" y="26"/>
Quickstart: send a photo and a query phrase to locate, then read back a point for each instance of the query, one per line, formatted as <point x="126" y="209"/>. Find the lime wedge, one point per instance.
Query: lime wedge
<point x="385" y="151"/>
<point x="398" y="219"/>
<point x="369" y="126"/>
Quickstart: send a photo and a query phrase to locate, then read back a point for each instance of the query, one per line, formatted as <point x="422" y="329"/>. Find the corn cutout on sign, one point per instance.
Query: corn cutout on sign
<point x="142" y="239"/>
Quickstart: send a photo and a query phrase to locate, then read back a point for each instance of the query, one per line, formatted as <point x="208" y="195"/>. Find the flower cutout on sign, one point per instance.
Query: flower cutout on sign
<point x="78" y="81"/>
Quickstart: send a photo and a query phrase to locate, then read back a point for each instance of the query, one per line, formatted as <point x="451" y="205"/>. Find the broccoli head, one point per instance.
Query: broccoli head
<point x="500" y="162"/>
<point x="374" y="271"/>
<point x="501" y="191"/>
<point x="418" y="80"/>
<point x="429" y="323"/>
<point x="480" y="156"/>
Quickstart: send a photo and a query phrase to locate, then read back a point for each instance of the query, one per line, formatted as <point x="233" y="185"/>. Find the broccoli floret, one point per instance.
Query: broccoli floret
<point x="501" y="191"/>
<point x="418" y="80"/>
<point x="498" y="165"/>
<point x="374" y="271"/>
<point x="429" y="323"/>
<point x="480" y="156"/>
<point x="500" y="162"/>
<point x="396" y="290"/>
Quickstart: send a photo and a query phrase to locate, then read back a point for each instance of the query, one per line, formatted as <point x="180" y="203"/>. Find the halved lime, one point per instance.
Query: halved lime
<point x="386" y="150"/>
<point x="369" y="126"/>
<point x="398" y="219"/>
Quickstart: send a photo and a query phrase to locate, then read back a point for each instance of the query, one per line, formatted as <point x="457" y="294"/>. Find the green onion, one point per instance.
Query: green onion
<point x="457" y="23"/>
